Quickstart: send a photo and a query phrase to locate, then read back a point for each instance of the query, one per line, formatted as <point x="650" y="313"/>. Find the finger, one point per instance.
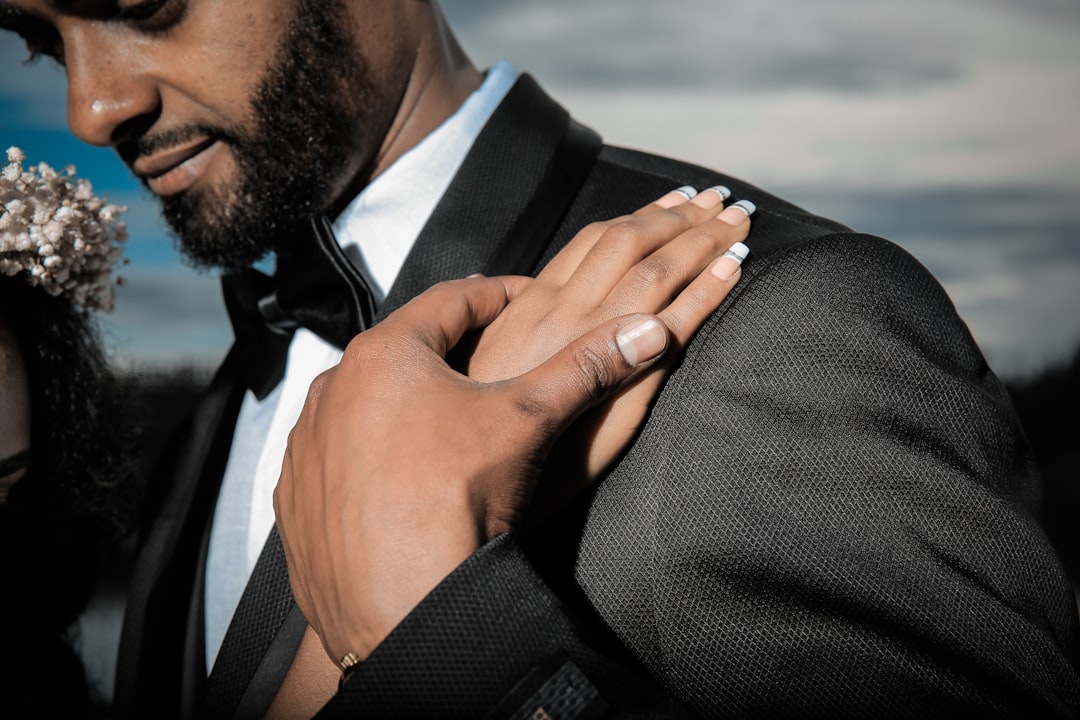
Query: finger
<point x="563" y="265"/>
<point x="627" y="242"/>
<point x="441" y="315"/>
<point x="676" y="197"/>
<point x="695" y="304"/>
<point x="687" y="193"/>
<point x="655" y="280"/>
<point x="589" y="369"/>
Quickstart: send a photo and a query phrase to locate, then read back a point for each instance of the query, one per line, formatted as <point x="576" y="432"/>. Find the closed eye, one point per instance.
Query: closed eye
<point x="152" y="15"/>
<point x="140" y="10"/>
<point x="13" y="463"/>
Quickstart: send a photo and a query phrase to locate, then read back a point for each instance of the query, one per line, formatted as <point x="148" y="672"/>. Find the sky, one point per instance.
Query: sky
<point x="949" y="126"/>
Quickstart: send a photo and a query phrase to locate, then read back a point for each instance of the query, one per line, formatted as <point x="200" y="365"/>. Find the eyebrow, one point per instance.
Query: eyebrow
<point x="18" y="461"/>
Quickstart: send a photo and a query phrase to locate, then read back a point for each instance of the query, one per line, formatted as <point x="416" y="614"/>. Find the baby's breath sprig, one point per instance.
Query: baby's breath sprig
<point x="58" y="234"/>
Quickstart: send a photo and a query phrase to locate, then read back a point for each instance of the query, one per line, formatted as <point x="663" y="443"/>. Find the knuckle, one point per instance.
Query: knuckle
<point x="653" y="270"/>
<point x="356" y="347"/>
<point x="698" y="298"/>
<point x="595" y="371"/>
<point x="705" y="237"/>
<point x="444" y="287"/>
<point x="628" y="233"/>
<point x="315" y="389"/>
<point x="596" y="228"/>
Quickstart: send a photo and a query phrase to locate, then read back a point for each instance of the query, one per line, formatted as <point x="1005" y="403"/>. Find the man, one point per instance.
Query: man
<point x="827" y="512"/>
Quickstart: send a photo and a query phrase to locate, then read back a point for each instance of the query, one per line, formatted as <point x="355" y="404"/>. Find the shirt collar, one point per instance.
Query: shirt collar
<point x="379" y="227"/>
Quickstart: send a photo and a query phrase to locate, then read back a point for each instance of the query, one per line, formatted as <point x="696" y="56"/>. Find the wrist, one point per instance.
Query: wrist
<point x="407" y="555"/>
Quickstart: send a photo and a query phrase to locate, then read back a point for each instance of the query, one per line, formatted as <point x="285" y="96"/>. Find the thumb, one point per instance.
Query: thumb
<point x="593" y="367"/>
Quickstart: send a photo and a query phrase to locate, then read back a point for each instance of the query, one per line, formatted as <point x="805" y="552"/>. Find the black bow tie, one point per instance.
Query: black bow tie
<point x="315" y="287"/>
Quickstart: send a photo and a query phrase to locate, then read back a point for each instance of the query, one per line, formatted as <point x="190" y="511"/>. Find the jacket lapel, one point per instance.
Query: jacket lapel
<point x="158" y="667"/>
<point x="507" y="199"/>
<point x="498" y="216"/>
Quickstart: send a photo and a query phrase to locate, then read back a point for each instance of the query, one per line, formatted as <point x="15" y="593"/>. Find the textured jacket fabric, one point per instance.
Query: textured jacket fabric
<point x="828" y="512"/>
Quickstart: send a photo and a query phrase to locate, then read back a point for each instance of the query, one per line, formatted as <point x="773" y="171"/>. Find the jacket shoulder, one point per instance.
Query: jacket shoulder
<point x="623" y="180"/>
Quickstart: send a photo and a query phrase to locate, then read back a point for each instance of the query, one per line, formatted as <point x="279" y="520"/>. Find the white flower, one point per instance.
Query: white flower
<point x="16" y="207"/>
<point x="56" y="233"/>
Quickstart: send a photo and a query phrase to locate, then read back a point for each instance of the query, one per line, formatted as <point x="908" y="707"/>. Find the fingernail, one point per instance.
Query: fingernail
<point x="737" y="213"/>
<point x="677" y="197"/>
<point x="641" y="339"/>
<point x="722" y="190"/>
<point x="711" y="197"/>
<point x="729" y="262"/>
<point x="475" y="275"/>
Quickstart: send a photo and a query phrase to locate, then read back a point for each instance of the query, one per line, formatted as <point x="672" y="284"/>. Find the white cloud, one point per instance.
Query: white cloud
<point x="1025" y="321"/>
<point x="827" y="98"/>
<point x="851" y="92"/>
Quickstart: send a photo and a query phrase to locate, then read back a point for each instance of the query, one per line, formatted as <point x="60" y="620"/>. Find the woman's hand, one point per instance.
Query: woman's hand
<point x="399" y="467"/>
<point x="659" y="260"/>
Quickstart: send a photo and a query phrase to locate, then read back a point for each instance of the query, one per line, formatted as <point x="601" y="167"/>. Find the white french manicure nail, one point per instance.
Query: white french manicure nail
<point x="722" y="190"/>
<point x="746" y="206"/>
<point x="729" y="262"/>
<point x="737" y="213"/>
<point x="687" y="191"/>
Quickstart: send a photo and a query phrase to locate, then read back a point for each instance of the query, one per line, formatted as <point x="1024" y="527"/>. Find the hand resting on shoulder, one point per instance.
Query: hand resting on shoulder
<point x="400" y="467"/>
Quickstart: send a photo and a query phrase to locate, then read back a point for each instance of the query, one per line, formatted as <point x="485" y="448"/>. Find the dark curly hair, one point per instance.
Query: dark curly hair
<point x="77" y="498"/>
<point x="82" y="433"/>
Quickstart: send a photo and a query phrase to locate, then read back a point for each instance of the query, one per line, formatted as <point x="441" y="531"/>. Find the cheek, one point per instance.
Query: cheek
<point x="227" y="55"/>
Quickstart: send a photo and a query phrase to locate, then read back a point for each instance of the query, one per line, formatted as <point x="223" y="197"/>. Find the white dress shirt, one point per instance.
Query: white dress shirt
<point x="383" y="221"/>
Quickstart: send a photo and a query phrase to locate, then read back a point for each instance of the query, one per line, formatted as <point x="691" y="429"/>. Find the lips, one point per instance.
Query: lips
<point x="177" y="169"/>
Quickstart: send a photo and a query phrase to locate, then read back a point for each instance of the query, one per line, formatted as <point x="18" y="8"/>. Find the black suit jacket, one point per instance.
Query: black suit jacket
<point x="829" y="510"/>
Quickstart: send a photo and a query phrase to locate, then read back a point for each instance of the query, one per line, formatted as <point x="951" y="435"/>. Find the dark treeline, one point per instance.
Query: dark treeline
<point x="1049" y="408"/>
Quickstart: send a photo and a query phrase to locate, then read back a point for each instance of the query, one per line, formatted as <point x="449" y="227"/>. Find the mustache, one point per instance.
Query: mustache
<point x="131" y="150"/>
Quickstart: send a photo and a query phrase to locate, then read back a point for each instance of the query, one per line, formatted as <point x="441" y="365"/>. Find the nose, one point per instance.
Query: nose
<point x="110" y="97"/>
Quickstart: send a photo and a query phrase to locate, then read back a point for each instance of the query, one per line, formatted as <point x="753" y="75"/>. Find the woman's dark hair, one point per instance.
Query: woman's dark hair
<point x="77" y="498"/>
<point x="82" y="433"/>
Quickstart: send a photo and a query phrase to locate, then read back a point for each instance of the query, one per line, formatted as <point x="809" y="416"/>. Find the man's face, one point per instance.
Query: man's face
<point x="244" y="118"/>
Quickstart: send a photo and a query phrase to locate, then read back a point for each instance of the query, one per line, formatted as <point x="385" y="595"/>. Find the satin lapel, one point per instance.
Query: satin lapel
<point x="507" y="199"/>
<point x="259" y="645"/>
<point x="498" y="215"/>
<point x="152" y="655"/>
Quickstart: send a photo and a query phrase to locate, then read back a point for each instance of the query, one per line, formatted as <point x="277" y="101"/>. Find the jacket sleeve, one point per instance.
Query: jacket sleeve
<point x="828" y="513"/>
<point x="830" y="510"/>
<point x="494" y="641"/>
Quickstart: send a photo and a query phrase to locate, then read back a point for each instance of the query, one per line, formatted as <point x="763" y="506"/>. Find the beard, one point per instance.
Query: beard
<point x="308" y="110"/>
